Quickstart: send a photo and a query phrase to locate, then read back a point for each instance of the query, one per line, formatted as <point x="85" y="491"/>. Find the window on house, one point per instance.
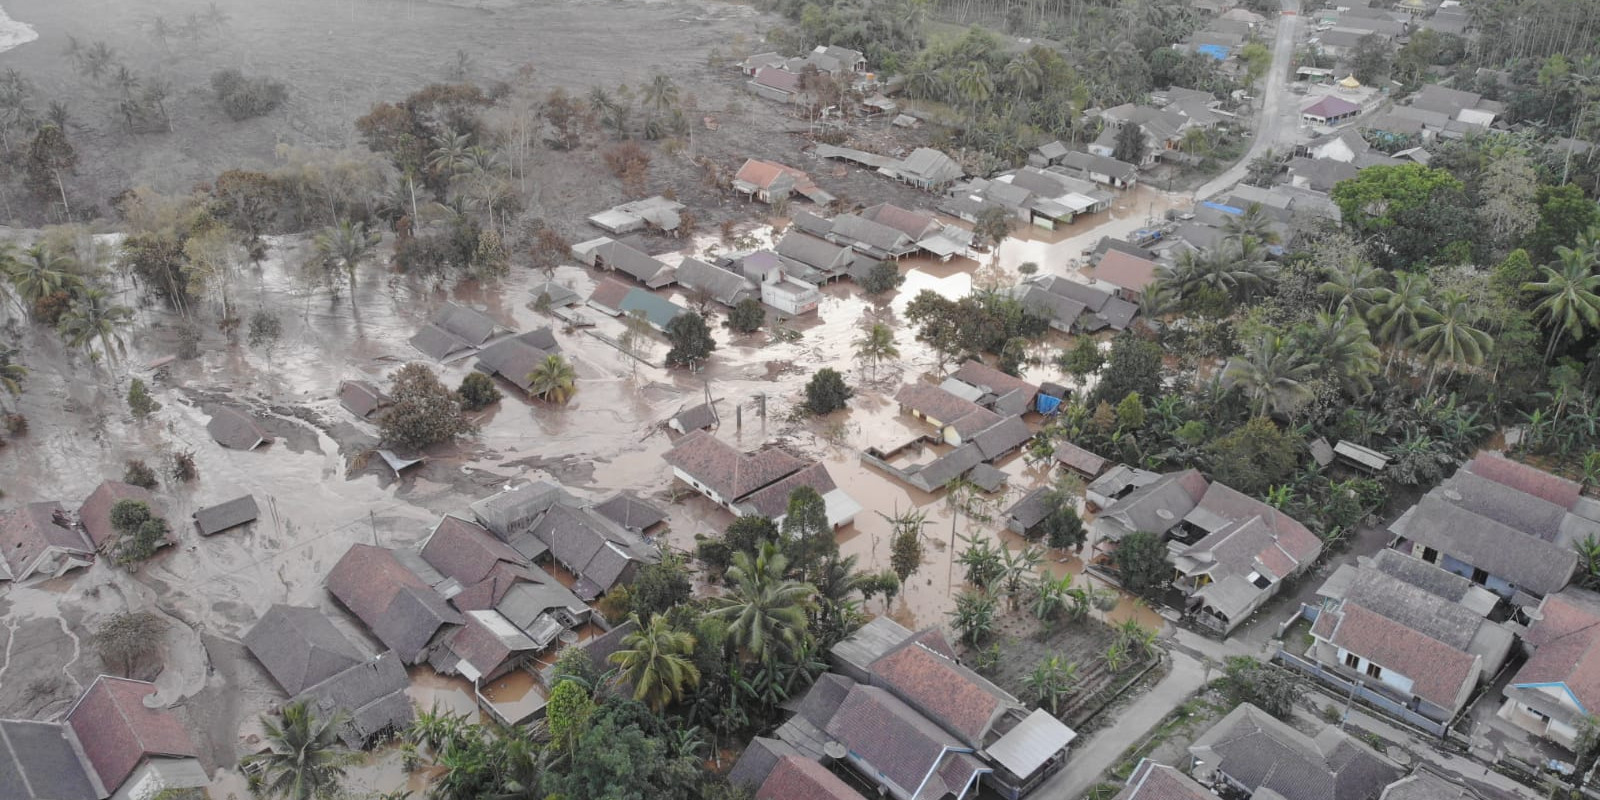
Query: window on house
<point x="1430" y="555"/>
<point x="1479" y="576"/>
<point x="1352" y="660"/>
<point x="1374" y="670"/>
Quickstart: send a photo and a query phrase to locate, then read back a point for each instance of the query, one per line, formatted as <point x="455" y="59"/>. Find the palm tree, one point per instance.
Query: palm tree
<point x="1253" y="223"/>
<point x="125" y="80"/>
<point x="97" y="60"/>
<point x="1052" y="681"/>
<point x="1570" y="294"/>
<point x="974" y="84"/>
<point x="554" y="380"/>
<point x="660" y="92"/>
<point x="876" y="345"/>
<point x="1341" y="344"/>
<point x="1450" y="338"/>
<point x="95" y="320"/>
<point x="765" y="611"/>
<point x="1401" y="311"/>
<point x="11" y="373"/>
<point x="42" y="273"/>
<point x="925" y="80"/>
<point x="655" y="659"/>
<point x="161" y="29"/>
<point x="344" y="246"/>
<point x="1354" y="287"/>
<point x="304" y="759"/>
<point x="1272" y="374"/>
<point x="1024" y="74"/>
<point x="450" y="153"/>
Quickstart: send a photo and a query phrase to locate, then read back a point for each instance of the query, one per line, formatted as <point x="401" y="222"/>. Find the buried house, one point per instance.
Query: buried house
<point x="756" y="483"/>
<point x="40" y="539"/>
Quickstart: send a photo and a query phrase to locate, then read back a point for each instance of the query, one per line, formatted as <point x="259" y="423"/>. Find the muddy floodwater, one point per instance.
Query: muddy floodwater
<point x="315" y="503"/>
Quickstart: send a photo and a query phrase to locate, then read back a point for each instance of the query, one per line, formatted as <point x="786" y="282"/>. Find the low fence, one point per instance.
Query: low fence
<point x="1377" y="700"/>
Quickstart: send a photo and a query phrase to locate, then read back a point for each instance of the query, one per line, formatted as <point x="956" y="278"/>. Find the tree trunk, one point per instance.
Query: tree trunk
<point x="62" y="186"/>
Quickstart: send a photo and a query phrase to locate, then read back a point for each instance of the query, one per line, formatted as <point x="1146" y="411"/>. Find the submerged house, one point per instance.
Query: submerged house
<point x="541" y="520"/>
<point x="756" y="483"/>
<point x="515" y="357"/>
<point x="41" y="539"/>
<point x="95" y="513"/>
<point x="131" y="748"/>
<point x="397" y="605"/>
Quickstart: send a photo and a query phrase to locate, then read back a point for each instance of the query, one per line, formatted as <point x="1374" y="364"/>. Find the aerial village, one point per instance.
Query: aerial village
<point x="850" y="410"/>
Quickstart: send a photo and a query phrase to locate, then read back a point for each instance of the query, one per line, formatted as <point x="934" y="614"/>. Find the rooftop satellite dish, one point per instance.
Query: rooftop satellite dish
<point x="1164" y="514"/>
<point x="834" y="750"/>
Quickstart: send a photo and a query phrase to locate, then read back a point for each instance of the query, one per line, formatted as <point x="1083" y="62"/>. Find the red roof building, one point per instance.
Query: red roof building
<point x="119" y="732"/>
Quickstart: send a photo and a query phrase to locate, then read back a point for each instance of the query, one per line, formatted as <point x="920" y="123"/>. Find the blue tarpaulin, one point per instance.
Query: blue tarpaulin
<point x="1048" y="404"/>
<point x="1216" y="51"/>
<point x="1224" y="209"/>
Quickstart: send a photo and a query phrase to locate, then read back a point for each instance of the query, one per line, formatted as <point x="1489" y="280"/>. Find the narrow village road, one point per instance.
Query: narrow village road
<point x="1279" y="114"/>
<point x="1088" y="759"/>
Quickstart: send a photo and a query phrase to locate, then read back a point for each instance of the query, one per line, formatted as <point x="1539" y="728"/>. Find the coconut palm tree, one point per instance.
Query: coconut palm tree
<point x="1449" y="337"/>
<point x="304" y="759"/>
<point x="661" y="93"/>
<point x="975" y="84"/>
<point x="1272" y="374"/>
<point x="655" y="658"/>
<point x="1400" y="312"/>
<point x="876" y="345"/>
<point x="1024" y="74"/>
<point x="1253" y="223"/>
<point x="125" y="80"/>
<point x="344" y="246"/>
<point x="1569" y="294"/>
<point x="554" y="380"/>
<point x="41" y="273"/>
<point x="1354" y="287"/>
<point x="1341" y="344"/>
<point x="765" y="611"/>
<point x="450" y="153"/>
<point x="11" y="373"/>
<point x="94" y="320"/>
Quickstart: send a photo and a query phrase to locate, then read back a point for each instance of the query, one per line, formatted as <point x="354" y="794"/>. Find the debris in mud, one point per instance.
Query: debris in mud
<point x="777" y="369"/>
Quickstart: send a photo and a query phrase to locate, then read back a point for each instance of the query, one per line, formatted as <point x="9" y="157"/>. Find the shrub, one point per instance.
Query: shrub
<point x="182" y="467"/>
<point x="140" y="533"/>
<point x="748" y="316"/>
<point x="827" y="392"/>
<point x="242" y="98"/>
<point x="425" y="411"/>
<point x="16" y="424"/>
<point x="883" y="277"/>
<point x="139" y="473"/>
<point x="478" y="392"/>
<point x="139" y="400"/>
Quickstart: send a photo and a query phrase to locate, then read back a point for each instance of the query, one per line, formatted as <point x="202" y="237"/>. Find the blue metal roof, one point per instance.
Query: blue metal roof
<point x="1224" y="209"/>
<point x="1216" y="51"/>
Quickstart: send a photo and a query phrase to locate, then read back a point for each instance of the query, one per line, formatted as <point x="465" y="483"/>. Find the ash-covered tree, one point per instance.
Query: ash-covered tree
<point x="1062" y="527"/>
<point x="1269" y="688"/>
<point x="425" y="411"/>
<point x="1129" y="144"/>
<point x="748" y="316"/>
<point x="139" y="400"/>
<point x="1083" y="360"/>
<point x="905" y="548"/>
<point x="826" y="392"/>
<point x="1141" y="562"/>
<point x="138" y="473"/>
<point x="993" y="226"/>
<point x="127" y="638"/>
<point x="478" y="392"/>
<point x="264" y="331"/>
<point x="50" y="158"/>
<point x="883" y="277"/>
<point x="140" y="532"/>
<point x="691" y="340"/>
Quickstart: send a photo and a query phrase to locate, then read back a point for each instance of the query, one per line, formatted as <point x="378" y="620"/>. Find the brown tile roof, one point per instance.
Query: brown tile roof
<point x="763" y="173"/>
<point x="800" y="778"/>
<point x="778" y="78"/>
<point x="466" y="551"/>
<point x="949" y="694"/>
<point x="1437" y="670"/>
<point x="893" y="738"/>
<point x="977" y="373"/>
<point x="1566" y="646"/>
<point x="773" y="501"/>
<point x="27" y="532"/>
<point x="1070" y="455"/>
<point x="117" y="731"/>
<point x="400" y="608"/>
<point x="724" y="469"/>
<point x="300" y="647"/>
<point x="609" y="293"/>
<point x="1537" y="482"/>
<point x="361" y="398"/>
<point x="95" y="513"/>
<point x="936" y="403"/>
<point x="1127" y="271"/>
<point x="915" y="224"/>
<point x="1152" y="781"/>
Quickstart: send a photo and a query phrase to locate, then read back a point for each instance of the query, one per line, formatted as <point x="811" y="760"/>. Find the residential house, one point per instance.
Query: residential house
<point x="400" y="608"/>
<point x="1163" y="130"/>
<point x="779" y="84"/>
<point x="1320" y="175"/>
<point x="1029" y="512"/>
<point x="41" y="539"/>
<point x="925" y="168"/>
<point x="1101" y="169"/>
<point x="1156" y="505"/>
<point x="488" y="646"/>
<point x="655" y="212"/>
<point x="453" y="331"/>
<point x="361" y="398"/>
<point x="694" y="418"/>
<point x="477" y="569"/>
<point x="630" y="512"/>
<point x="869" y="238"/>
<point x="795" y="777"/>
<point x="930" y="235"/>
<point x="133" y="749"/>
<point x="724" y="286"/>
<point x="95" y="513"/>
<point x="313" y="662"/>
<point x="1505" y="525"/>
<point x="553" y="295"/>
<point x="956" y="419"/>
<point x="756" y="483"/>
<point x="807" y="258"/>
<point x="1558" y="687"/>
<point x="1130" y="274"/>
<point x="1079" y="461"/>
<point x="1115" y="484"/>
<point x="540" y="519"/>
<point x="1102" y="308"/>
<point x="905" y="754"/>
<point x="514" y="358"/>
<point x="1330" y="110"/>
<point x="930" y="477"/>
<point x="235" y="429"/>
<point x="769" y="182"/>
<point x="1411" y="630"/>
<point x="1250" y="752"/>
<point x="607" y="296"/>
<point x="1152" y="781"/>
<point x="212" y="520"/>
<point x="656" y="310"/>
<point x="1059" y="311"/>
<point x="43" y="761"/>
<point x="1031" y="195"/>
<point x="1467" y="107"/>
<point x="611" y="255"/>
<point x="1006" y="395"/>
<point x="1344" y="146"/>
<point x="1245" y="552"/>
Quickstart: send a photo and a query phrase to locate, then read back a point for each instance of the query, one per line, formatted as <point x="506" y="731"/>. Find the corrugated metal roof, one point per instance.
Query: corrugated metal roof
<point x="1026" y="747"/>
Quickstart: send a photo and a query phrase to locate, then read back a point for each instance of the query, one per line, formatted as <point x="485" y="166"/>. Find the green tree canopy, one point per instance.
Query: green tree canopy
<point x="1378" y="195"/>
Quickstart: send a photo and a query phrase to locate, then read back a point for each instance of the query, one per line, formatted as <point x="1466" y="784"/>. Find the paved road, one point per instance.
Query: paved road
<point x="1279" y="113"/>
<point x="1087" y="760"/>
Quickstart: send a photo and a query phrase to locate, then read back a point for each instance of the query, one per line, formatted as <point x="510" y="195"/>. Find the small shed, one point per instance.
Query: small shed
<point x="215" y="519"/>
<point x="1076" y="459"/>
<point x="1026" y="514"/>
<point x="987" y="478"/>
<point x="558" y="296"/>
<point x="630" y="512"/>
<point x="235" y="429"/>
<point x="398" y="463"/>
<point x="1321" y="451"/>
<point x="694" y="418"/>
